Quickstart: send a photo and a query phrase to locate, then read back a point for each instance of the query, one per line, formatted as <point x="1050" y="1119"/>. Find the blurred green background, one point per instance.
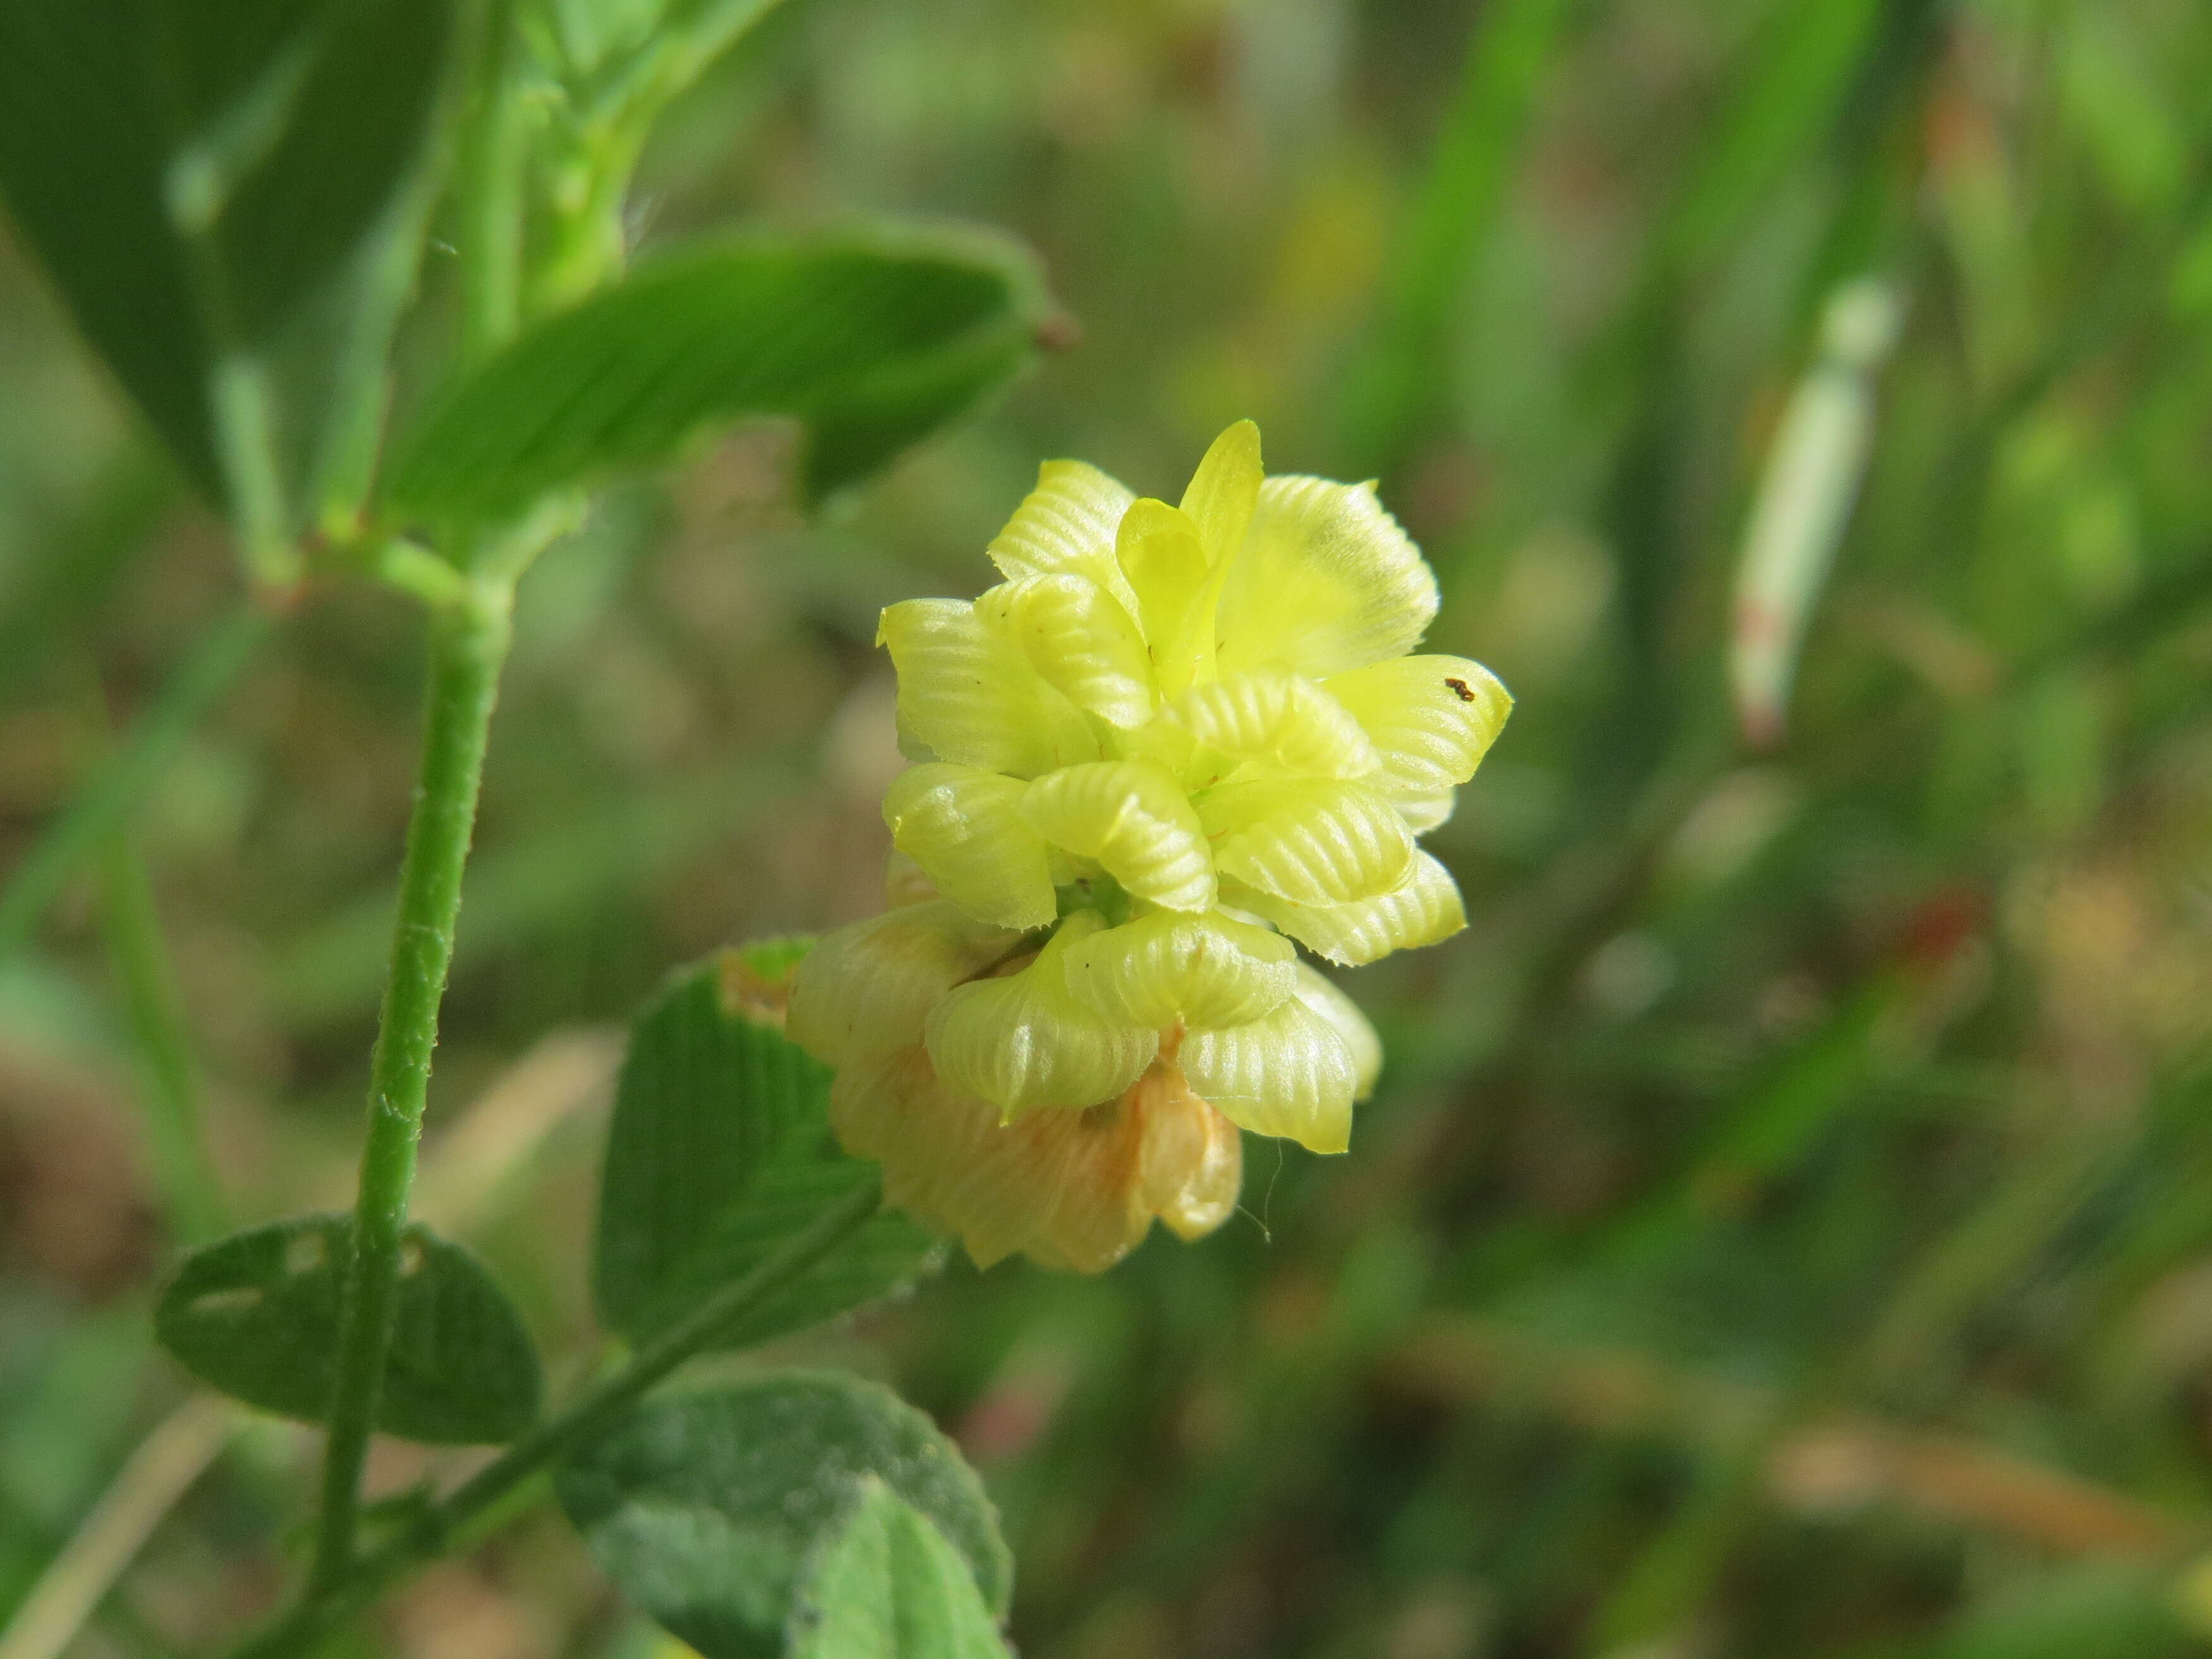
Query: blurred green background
<point x="1785" y="1224"/>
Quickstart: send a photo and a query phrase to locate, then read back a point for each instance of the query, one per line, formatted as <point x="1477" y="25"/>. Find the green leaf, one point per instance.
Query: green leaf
<point x="256" y="1315"/>
<point x="889" y="1586"/>
<point x="707" y="1509"/>
<point x="870" y="339"/>
<point x="720" y="1150"/>
<point x="231" y="198"/>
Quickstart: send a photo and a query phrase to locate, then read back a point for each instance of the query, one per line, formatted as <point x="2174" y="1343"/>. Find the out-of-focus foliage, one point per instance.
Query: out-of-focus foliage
<point x="232" y="208"/>
<point x="1784" y="1226"/>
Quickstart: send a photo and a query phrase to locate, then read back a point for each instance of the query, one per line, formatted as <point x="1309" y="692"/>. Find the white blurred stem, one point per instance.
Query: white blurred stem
<point x="1806" y="494"/>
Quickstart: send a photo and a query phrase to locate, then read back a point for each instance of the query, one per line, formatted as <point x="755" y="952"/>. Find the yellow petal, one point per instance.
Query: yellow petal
<point x="866" y="989"/>
<point x="1059" y="1185"/>
<point x="1160" y="552"/>
<point x="1423" y="810"/>
<point x="1274" y="715"/>
<point x="1166" y="743"/>
<point x="1079" y="639"/>
<point x="1326" y="582"/>
<point x="1289" y="1074"/>
<point x="1087" y="1163"/>
<point x="1135" y="819"/>
<point x="1066" y="523"/>
<point x="1309" y="840"/>
<point x="972" y="697"/>
<point x="1169" y="967"/>
<point x="1191" y="1166"/>
<point x="1323" y="995"/>
<point x="1224" y="491"/>
<point x="906" y="882"/>
<point x="909" y="745"/>
<point x="965" y="829"/>
<point x="1100" y="1216"/>
<point x="945" y="1158"/>
<point x="1423" y="910"/>
<point x="1432" y="717"/>
<point x="1025" y="1041"/>
<point x="1075" y="1190"/>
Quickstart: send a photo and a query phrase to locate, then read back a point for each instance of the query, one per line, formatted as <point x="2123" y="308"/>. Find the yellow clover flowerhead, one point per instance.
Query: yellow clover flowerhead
<point x="1171" y="737"/>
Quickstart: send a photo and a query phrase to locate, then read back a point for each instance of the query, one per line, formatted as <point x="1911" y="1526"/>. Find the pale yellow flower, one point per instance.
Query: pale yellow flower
<point x="1173" y="740"/>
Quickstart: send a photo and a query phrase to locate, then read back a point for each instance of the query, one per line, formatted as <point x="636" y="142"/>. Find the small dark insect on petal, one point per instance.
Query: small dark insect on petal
<point x="1460" y="686"/>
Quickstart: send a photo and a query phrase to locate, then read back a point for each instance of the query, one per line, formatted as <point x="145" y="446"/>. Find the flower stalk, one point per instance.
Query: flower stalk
<point x="469" y="645"/>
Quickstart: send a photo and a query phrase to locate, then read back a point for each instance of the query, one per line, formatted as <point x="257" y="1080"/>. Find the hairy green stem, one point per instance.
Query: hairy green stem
<point x="329" y="1606"/>
<point x="469" y="644"/>
<point x="175" y="1129"/>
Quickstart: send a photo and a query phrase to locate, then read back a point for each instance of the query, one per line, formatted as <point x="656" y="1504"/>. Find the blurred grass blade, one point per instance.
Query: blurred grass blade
<point x="176" y="1129"/>
<point x="121" y="781"/>
<point x="85" y="1570"/>
<point x="231" y="200"/>
<point x="1803" y="65"/>
<point x="534" y="887"/>
<point x="2042" y="1193"/>
<point x="1653" y="1606"/>
<point x="1398" y="377"/>
<point x="1804" y="504"/>
<point x="86" y="548"/>
<point x="2088" y="1610"/>
<point x="870" y="339"/>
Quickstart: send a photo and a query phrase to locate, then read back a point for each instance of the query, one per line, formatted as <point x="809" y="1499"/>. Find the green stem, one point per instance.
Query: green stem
<point x="174" y="1122"/>
<point x="125" y="775"/>
<point x="329" y="1606"/>
<point x="588" y="246"/>
<point x="490" y="193"/>
<point x="469" y="644"/>
<point x="697" y="1331"/>
<point x="246" y="439"/>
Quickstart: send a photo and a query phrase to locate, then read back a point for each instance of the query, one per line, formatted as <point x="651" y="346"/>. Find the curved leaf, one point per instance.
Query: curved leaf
<point x="889" y="1586"/>
<point x="256" y="1315"/>
<point x="707" y="1509"/>
<point x="870" y="339"/>
<point x="720" y="1150"/>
